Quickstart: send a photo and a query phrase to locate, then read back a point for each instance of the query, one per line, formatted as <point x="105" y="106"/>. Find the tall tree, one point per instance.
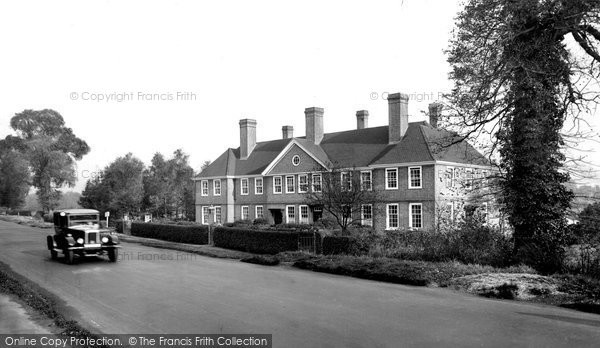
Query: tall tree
<point x="517" y="78"/>
<point x="14" y="179"/>
<point x="50" y="149"/>
<point x="123" y="178"/>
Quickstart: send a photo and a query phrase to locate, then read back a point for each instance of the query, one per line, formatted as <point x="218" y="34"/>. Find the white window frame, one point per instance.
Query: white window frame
<point x="205" y="216"/>
<point x="387" y="216"/>
<point x="363" y="221"/>
<point x="320" y="176"/>
<point x="387" y="186"/>
<point x="220" y="219"/>
<point x="449" y="177"/>
<point x="204" y="185"/>
<point x="300" y="219"/>
<point x="257" y="186"/>
<point x="215" y="181"/>
<point x="450" y="207"/>
<point x="410" y="187"/>
<point x="292" y="186"/>
<point x="370" y="188"/>
<point x="300" y="176"/>
<point x="294" y="162"/>
<point x="280" y="185"/>
<point x="247" y="212"/>
<point x="242" y="181"/>
<point x="262" y="212"/>
<point x="287" y="214"/>
<point x="410" y="214"/>
<point x="344" y="182"/>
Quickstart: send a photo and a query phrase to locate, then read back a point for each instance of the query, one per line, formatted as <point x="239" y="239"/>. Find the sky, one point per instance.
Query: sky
<point x="154" y="76"/>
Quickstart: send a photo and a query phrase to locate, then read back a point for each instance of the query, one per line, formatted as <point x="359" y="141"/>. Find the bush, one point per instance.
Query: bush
<point x="260" y="221"/>
<point x="196" y="234"/>
<point x="262" y="260"/>
<point x="333" y="245"/>
<point x="256" y="241"/>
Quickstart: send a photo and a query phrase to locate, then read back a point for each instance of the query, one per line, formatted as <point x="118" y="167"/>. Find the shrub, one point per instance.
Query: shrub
<point x="196" y="234"/>
<point x="262" y="260"/>
<point x="260" y="221"/>
<point x="256" y="241"/>
<point x="344" y="245"/>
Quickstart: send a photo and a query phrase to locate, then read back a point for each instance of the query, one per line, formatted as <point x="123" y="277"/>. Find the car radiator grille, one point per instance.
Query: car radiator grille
<point x="92" y="238"/>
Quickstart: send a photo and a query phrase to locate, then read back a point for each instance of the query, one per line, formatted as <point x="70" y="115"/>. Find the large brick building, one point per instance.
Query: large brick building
<point x="416" y="176"/>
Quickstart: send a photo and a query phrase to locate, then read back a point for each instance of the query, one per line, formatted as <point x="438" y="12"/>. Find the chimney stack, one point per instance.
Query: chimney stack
<point x="314" y="124"/>
<point x="287" y="132"/>
<point x="398" y="116"/>
<point x="435" y="112"/>
<point x="247" y="137"/>
<point x="362" y="119"/>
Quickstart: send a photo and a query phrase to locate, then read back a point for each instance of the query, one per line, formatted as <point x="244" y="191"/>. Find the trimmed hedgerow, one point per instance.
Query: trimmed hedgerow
<point x="257" y="241"/>
<point x="333" y="245"/>
<point x="196" y="234"/>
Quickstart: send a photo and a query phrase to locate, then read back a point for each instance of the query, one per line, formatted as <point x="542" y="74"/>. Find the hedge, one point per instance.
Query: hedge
<point x="333" y="245"/>
<point x="196" y="234"/>
<point x="257" y="241"/>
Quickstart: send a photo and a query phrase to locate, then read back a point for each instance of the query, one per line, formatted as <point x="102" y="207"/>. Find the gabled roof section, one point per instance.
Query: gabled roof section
<point x="354" y="148"/>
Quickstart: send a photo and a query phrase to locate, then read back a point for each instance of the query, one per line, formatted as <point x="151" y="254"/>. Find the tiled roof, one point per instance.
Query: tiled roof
<point x="355" y="148"/>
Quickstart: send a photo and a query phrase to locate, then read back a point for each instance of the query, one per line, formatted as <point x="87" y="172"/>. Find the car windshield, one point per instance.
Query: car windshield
<point x="76" y="220"/>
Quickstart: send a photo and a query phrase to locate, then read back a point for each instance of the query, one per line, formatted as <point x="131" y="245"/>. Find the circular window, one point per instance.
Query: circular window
<point x="296" y="160"/>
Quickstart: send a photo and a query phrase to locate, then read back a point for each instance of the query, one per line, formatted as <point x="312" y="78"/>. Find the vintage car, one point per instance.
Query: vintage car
<point x="77" y="232"/>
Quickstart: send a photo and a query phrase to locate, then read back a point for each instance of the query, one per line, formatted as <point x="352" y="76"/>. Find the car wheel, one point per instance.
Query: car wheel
<point x="113" y="254"/>
<point x="53" y="254"/>
<point x="69" y="256"/>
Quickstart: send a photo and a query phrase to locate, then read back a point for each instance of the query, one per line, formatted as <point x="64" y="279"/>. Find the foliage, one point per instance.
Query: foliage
<point x="14" y="178"/>
<point x="195" y="234"/>
<point x="168" y="186"/>
<point x="256" y="241"/>
<point x="589" y="224"/>
<point x="514" y="80"/>
<point x="344" y="245"/>
<point x="50" y="150"/>
<point x="342" y="195"/>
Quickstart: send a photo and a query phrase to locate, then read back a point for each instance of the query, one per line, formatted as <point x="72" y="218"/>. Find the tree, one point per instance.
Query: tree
<point x="50" y="149"/>
<point x="516" y="79"/>
<point x="589" y="223"/>
<point x="14" y="179"/>
<point x="342" y="195"/>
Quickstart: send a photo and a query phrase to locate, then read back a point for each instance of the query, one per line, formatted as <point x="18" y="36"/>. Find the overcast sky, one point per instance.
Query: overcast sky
<point x="214" y="63"/>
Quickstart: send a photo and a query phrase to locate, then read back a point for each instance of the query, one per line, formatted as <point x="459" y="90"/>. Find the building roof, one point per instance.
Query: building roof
<point x="355" y="148"/>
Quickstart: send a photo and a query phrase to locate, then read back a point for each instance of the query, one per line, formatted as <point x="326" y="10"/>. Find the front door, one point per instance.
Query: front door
<point x="277" y="216"/>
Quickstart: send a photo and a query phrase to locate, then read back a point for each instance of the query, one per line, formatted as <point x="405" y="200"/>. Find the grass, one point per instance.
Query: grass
<point x="41" y="301"/>
<point x="26" y="220"/>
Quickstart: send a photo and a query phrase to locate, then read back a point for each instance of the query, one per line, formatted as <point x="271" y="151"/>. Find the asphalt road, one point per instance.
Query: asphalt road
<point x="161" y="291"/>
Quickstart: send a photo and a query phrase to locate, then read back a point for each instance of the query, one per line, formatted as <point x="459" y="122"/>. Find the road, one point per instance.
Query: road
<point x="161" y="291"/>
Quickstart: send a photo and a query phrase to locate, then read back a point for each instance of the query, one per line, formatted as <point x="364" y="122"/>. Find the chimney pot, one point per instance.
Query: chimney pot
<point x="398" y="116"/>
<point x="314" y="124"/>
<point x="435" y="112"/>
<point x="247" y="137"/>
<point x="362" y="119"/>
<point x="287" y="132"/>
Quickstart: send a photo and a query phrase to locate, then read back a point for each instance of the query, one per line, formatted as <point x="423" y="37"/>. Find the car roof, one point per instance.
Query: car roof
<point x="77" y="211"/>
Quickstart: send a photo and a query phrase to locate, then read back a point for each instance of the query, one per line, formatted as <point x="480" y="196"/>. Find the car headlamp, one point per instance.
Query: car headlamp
<point x="79" y="240"/>
<point x="104" y="239"/>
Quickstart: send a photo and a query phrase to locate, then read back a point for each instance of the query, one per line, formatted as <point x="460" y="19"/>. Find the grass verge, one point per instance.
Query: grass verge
<point x="26" y="220"/>
<point x="42" y="301"/>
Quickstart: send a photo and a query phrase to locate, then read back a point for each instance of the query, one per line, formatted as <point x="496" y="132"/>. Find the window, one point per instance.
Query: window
<point x="416" y="215"/>
<point x="366" y="182"/>
<point x="245" y="213"/>
<point x="289" y="184"/>
<point x="296" y="160"/>
<point x="290" y="216"/>
<point x="302" y="183"/>
<point x="204" y="186"/>
<point x="258" y="186"/>
<point x="304" y="214"/>
<point x="450" y="211"/>
<point x="449" y="177"/>
<point x="258" y="212"/>
<point x="218" y="219"/>
<point x="205" y="215"/>
<point x="391" y="178"/>
<point x="414" y="177"/>
<point x="316" y="182"/>
<point x="366" y="215"/>
<point x="244" y="186"/>
<point x="392" y="216"/>
<point x="468" y="179"/>
<point x="217" y="187"/>
<point x="346" y="181"/>
<point x="277" y="185"/>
